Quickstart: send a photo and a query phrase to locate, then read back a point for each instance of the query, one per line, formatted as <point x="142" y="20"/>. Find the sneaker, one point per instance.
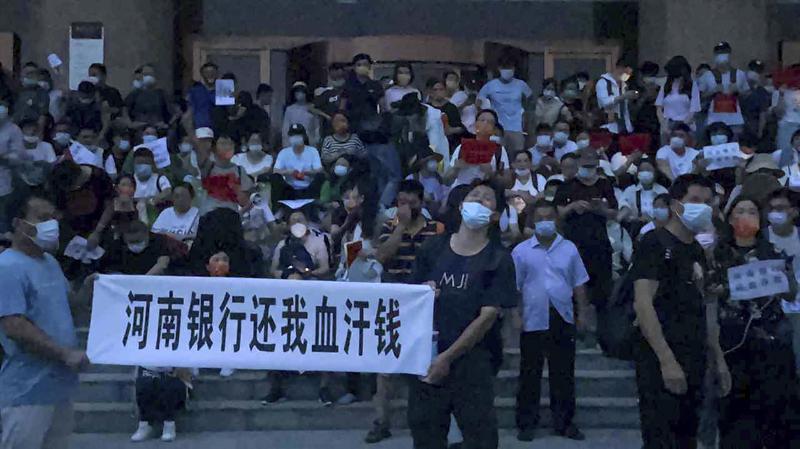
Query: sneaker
<point x="571" y="432"/>
<point x="275" y="395"/>
<point x="226" y="372"/>
<point x="144" y="432"/>
<point x="526" y="434"/>
<point x="325" y="397"/>
<point x="169" y="434"/>
<point x="347" y="399"/>
<point x="378" y="433"/>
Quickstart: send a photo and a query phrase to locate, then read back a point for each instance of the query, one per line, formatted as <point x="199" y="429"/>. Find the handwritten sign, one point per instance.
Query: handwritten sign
<point x="224" y="93"/>
<point x="160" y="152"/>
<point x="722" y="156"/>
<point x="757" y="280"/>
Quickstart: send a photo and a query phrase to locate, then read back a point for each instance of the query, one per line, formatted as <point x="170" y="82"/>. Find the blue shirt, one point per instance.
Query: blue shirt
<point x="37" y="290"/>
<point x="201" y="100"/>
<point x="507" y="101"/>
<point x="547" y="276"/>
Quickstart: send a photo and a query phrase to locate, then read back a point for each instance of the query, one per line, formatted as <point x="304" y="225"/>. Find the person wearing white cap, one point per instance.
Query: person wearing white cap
<point x="302" y="112"/>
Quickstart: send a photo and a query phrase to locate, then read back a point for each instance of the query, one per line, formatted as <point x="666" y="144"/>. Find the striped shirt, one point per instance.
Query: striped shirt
<point x="333" y="148"/>
<point x="399" y="268"/>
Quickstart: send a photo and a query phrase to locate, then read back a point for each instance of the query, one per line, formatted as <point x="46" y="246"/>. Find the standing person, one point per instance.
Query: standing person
<point x="264" y="101"/>
<point x="451" y="117"/>
<point x="401" y="86"/>
<point x="38" y="377"/>
<point x="549" y="107"/>
<point x="107" y="94"/>
<point x="679" y="99"/>
<point x="668" y="272"/>
<point x="32" y="101"/>
<point x="720" y="88"/>
<point x="12" y="148"/>
<point x="36" y="149"/>
<point x="509" y="96"/>
<point x="788" y="112"/>
<point x="757" y="103"/>
<point x="301" y="112"/>
<point x="401" y="242"/>
<point x="148" y="105"/>
<point x="782" y="233"/>
<point x="329" y="99"/>
<point x="362" y="95"/>
<point x="614" y="98"/>
<point x="202" y="97"/>
<point x="585" y="204"/>
<point x="550" y="276"/>
<point x="758" y="412"/>
<point x="473" y="276"/>
<point x="227" y="185"/>
<point x="637" y="201"/>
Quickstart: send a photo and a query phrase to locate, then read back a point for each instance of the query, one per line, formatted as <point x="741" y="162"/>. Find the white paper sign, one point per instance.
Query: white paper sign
<point x="77" y="249"/>
<point x="224" y="93"/>
<point x="295" y="204"/>
<point x="160" y="152"/>
<point x="261" y="324"/>
<point x="757" y="280"/>
<point x="82" y="54"/>
<point x="82" y="155"/>
<point x="54" y="61"/>
<point x="722" y="156"/>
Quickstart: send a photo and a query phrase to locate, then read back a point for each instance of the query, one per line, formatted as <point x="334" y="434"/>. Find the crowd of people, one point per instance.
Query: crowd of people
<point x="518" y="208"/>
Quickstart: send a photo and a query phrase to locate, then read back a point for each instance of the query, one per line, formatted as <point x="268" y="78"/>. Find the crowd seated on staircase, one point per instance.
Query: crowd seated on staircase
<point x="596" y="213"/>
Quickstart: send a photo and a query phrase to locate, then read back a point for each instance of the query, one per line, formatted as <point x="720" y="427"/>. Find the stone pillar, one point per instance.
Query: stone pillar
<point x="692" y="27"/>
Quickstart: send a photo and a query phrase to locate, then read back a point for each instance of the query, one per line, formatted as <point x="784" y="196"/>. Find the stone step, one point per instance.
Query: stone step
<point x="253" y="385"/>
<point x="215" y="416"/>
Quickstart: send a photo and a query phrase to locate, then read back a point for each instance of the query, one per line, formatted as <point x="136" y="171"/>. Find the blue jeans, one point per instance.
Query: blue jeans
<point x="384" y="163"/>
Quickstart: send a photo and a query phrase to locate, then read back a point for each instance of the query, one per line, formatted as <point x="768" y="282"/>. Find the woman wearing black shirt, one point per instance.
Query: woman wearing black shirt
<point x="756" y="340"/>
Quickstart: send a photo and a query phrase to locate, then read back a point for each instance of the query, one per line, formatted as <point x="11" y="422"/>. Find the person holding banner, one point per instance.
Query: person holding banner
<point x="757" y="348"/>
<point x="474" y="278"/>
<point x="38" y="377"/>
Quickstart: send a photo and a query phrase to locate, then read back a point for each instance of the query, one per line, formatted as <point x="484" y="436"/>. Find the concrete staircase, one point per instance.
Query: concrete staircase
<point x="606" y="394"/>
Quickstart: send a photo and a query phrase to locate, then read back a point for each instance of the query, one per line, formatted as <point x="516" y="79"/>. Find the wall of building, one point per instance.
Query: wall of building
<point x="136" y="32"/>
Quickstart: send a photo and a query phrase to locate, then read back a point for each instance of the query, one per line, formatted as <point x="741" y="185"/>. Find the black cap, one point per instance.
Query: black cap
<point x="297" y="130"/>
<point x="756" y="65"/>
<point x="410" y="104"/>
<point x="722" y="47"/>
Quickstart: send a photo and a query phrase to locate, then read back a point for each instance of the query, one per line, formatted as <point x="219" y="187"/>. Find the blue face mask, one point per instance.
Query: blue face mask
<point x="149" y="138"/>
<point x="545" y="228"/>
<point x="586" y="172"/>
<point x="719" y="139"/>
<point x="124" y="145"/>
<point x="475" y="215"/>
<point x="143" y="171"/>
<point x="661" y="214"/>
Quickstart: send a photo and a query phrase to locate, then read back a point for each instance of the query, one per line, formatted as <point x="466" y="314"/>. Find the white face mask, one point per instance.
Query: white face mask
<point x="646" y="177"/>
<point x="496" y="139"/>
<point x="696" y="217"/>
<point x="403" y="79"/>
<point x="676" y="142"/>
<point x="185" y="147"/>
<point x="296" y="141"/>
<point x="137" y="248"/>
<point x="149" y="138"/>
<point x="625" y="77"/>
<point x="719" y="139"/>
<point x="124" y="145"/>
<point x="340" y="170"/>
<point x="136" y="84"/>
<point x="722" y="58"/>
<point x="549" y="93"/>
<point x="706" y="239"/>
<point x="507" y="74"/>
<point x="544" y="140"/>
<point x="62" y="139"/>
<point x="545" y="228"/>
<point x="148" y="80"/>
<point x="255" y="148"/>
<point x="432" y="165"/>
<point x="93" y="79"/>
<point x="30" y="139"/>
<point x="44" y="85"/>
<point x="475" y="215"/>
<point x="46" y="235"/>
<point x="560" y="137"/>
<point x="583" y="143"/>
<point x="522" y="171"/>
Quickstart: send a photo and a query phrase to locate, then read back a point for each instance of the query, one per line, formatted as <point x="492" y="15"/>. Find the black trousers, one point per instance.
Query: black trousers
<point x="558" y="345"/>
<point x="159" y="396"/>
<point x="467" y="393"/>
<point x="281" y="190"/>
<point x="668" y="421"/>
<point x="761" y="410"/>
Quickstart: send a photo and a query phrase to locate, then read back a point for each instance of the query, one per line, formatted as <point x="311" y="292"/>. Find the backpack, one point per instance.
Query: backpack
<point x="617" y="331"/>
<point x="294" y="252"/>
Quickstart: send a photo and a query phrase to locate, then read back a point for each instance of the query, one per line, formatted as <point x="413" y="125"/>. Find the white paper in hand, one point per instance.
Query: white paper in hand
<point x="757" y="280"/>
<point x="224" y="93"/>
<point x="82" y="155"/>
<point x="160" y="152"/>
<point x="77" y="249"/>
<point x="722" y="156"/>
<point x="54" y="61"/>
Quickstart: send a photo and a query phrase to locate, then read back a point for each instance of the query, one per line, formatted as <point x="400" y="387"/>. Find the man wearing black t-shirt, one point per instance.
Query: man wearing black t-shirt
<point x="585" y="204"/>
<point x="139" y="252"/>
<point x="474" y="278"/>
<point x="668" y="272"/>
<point x="361" y="97"/>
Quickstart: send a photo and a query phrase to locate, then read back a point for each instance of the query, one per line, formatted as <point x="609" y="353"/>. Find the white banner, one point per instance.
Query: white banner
<point x="722" y="156"/>
<point x="189" y="322"/>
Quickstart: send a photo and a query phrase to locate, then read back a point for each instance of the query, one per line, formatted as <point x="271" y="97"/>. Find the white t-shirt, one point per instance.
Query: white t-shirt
<point x="472" y="172"/>
<point x="307" y="160"/>
<point x="151" y="187"/>
<point x="526" y="187"/>
<point x="181" y="227"/>
<point x="629" y="196"/>
<point x="791" y="100"/>
<point x="249" y="167"/>
<point x="42" y="152"/>
<point x="708" y="83"/>
<point x="507" y="100"/>
<point x="678" y="106"/>
<point x="469" y="113"/>
<point x="680" y="165"/>
<point x="569" y="147"/>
